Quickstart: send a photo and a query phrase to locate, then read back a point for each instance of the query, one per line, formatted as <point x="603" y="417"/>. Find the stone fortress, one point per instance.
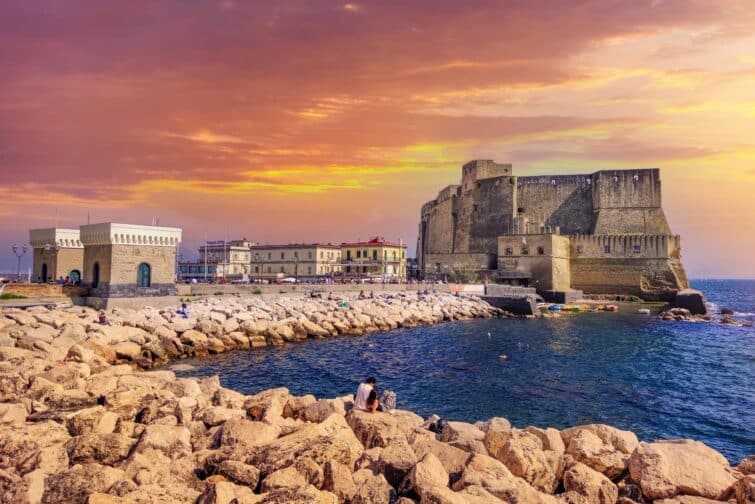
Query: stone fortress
<point x="601" y="233"/>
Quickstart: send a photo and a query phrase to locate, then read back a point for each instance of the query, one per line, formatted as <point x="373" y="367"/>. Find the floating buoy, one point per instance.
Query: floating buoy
<point x="503" y="357"/>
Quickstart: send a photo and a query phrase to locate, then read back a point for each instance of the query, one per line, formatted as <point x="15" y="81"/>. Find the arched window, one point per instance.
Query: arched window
<point x="44" y="273"/>
<point x="143" y="275"/>
<point x="75" y="276"/>
<point x="95" y="275"/>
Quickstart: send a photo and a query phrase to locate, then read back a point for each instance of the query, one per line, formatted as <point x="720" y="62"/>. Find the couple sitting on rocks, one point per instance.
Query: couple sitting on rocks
<point x="366" y="398"/>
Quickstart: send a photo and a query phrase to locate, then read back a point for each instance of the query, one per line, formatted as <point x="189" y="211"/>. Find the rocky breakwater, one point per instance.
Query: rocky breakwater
<point x="77" y="429"/>
<point x="149" y="336"/>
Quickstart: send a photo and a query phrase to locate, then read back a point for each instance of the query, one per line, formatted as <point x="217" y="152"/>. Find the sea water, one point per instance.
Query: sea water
<point x="661" y="380"/>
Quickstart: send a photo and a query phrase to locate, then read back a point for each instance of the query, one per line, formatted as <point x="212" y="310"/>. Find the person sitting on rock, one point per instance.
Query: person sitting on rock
<point x="102" y="320"/>
<point x="183" y="311"/>
<point x="363" y="394"/>
<point x="373" y="404"/>
<point x="361" y="295"/>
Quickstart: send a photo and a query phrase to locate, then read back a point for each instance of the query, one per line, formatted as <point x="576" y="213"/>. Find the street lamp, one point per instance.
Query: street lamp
<point x="19" y="253"/>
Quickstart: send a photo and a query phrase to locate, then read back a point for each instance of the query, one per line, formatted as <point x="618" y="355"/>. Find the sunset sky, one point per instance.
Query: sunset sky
<point x="315" y="120"/>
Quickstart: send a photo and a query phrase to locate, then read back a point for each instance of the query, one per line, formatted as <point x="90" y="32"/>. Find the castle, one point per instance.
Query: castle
<point x="601" y="233"/>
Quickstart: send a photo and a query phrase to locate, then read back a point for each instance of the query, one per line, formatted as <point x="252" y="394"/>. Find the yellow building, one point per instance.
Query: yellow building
<point x="376" y="259"/>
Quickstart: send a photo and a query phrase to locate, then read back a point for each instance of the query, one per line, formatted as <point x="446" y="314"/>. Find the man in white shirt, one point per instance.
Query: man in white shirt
<point x="363" y="392"/>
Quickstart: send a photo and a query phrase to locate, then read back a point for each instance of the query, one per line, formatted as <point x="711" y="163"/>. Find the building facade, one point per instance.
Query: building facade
<point x="230" y="260"/>
<point x="603" y="232"/>
<point x="376" y="259"/>
<point x="122" y="260"/>
<point x="57" y="252"/>
<point x="299" y="261"/>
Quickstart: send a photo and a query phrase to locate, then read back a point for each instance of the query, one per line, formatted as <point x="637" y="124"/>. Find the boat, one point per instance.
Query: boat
<point x="612" y="308"/>
<point x="554" y="307"/>
<point x="644" y="311"/>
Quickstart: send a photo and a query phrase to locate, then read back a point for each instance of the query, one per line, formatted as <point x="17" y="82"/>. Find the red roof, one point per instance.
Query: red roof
<point x="378" y="240"/>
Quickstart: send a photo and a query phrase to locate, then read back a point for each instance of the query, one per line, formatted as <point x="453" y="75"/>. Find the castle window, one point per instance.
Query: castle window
<point x="580" y="249"/>
<point x="359" y="254"/>
<point x="509" y="251"/>
<point x="525" y="251"/>
<point x="540" y="251"/>
<point x="520" y="209"/>
<point x="283" y="255"/>
<point x="607" y="249"/>
<point x="635" y="249"/>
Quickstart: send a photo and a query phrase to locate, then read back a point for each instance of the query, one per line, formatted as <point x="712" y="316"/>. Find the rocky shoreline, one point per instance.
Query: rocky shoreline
<point x="81" y="422"/>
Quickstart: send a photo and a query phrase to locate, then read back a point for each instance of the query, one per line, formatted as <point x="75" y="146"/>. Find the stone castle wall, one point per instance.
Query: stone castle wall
<point x="492" y="202"/>
<point x="59" y="263"/>
<point x="119" y="265"/>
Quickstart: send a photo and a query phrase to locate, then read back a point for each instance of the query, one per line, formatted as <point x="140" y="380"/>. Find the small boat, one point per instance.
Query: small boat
<point x="612" y="308"/>
<point x="644" y="311"/>
<point x="554" y="307"/>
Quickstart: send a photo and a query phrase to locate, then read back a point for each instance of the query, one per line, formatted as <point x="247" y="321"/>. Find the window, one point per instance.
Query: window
<point x="283" y="255"/>
<point x="282" y="270"/>
<point x="309" y="255"/>
<point x="269" y="256"/>
<point x="636" y="248"/>
<point x="322" y="255"/>
<point x="580" y="249"/>
<point x="509" y="251"/>
<point x="256" y="269"/>
<point x="540" y="251"/>
<point x="359" y="254"/>
<point x="364" y="254"/>
<point x="607" y="249"/>
<point x="348" y="255"/>
<point x="269" y="270"/>
<point x="309" y="270"/>
<point x="374" y="255"/>
<point x="525" y="251"/>
<point x="143" y="275"/>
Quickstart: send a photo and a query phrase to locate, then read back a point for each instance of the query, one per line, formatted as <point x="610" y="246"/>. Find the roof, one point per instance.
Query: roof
<point x="295" y="246"/>
<point x="378" y="240"/>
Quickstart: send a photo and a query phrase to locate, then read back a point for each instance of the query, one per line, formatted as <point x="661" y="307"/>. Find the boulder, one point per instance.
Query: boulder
<point x="395" y="461"/>
<point x="301" y="495"/>
<point x="217" y="415"/>
<point x="322" y="409"/>
<point x="494" y="477"/>
<point x="95" y="419"/>
<point x="75" y="484"/>
<point x="375" y="429"/>
<point x="522" y="453"/>
<point x="591" y="484"/>
<point x="692" y="300"/>
<point x="225" y="492"/>
<point x="600" y="447"/>
<point x="744" y="490"/>
<point x="338" y="480"/>
<point x="453" y="459"/>
<point x="172" y="441"/>
<point x="425" y="475"/>
<point x="127" y="350"/>
<point x="550" y="437"/>
<point x="668" y="468"/>
<point x="372" y="488"/>
<point x="494" y="424"/>
<point x="329" y="440"/>
<point x="12" y="413"/>
<point x="247" y="433"/>
<point x="106" y="449"/>
<point x="747" y="465"/>
<point x="287" y="477"/>
<point x="239" y="472"/>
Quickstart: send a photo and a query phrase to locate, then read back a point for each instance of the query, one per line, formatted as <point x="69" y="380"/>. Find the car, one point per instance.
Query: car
<point x="288" y="280"/>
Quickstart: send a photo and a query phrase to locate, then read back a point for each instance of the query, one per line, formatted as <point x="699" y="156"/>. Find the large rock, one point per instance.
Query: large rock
<point x="452" y="458"/>
<point x="225" y="492"/>
<point x="522" y="453"/>
<point x="600" y="447"/>
<point x="495" y="478"/>
<point x="372" y="488"/>
<point x="288" y="477"/>
<point x="595" y="487"/>
<point x="329" y="440"/>
<point x="172" y="441"/>
<point x="375" y="429"/>
<point x="103" y="448"/>
<point x="74" y="485"/>
<point x="247" y="433"/>
<point x="239" y="472"/>
<point x="95" y="419"/>
<point x="302" y="495"/>
<point x="692" y="300"/>
<point x="426" y="474"/>
<point x="338" y="480"/>
<point x="669" y="468"/>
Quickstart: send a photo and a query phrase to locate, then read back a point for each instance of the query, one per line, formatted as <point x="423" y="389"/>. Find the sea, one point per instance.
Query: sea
<point x="659" y="379"/>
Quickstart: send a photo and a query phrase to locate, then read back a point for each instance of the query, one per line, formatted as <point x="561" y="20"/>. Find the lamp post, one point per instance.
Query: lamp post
<point x="19" y="253"/>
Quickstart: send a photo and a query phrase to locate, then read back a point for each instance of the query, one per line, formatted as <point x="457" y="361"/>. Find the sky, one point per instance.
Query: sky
<point x="294" y="121"/>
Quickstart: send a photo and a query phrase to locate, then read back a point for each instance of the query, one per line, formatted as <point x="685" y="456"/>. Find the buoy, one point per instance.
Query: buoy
<point x="643" y="311"/>
<point x="503" y="357"/>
